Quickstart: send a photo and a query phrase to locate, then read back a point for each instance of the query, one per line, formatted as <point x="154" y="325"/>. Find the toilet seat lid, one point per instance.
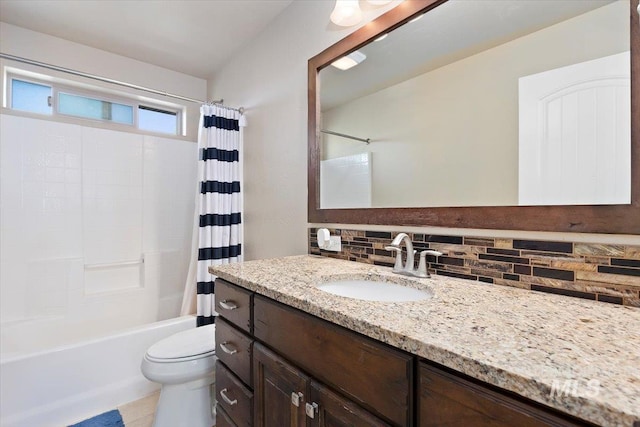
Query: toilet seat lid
<point x="189" y="343"/>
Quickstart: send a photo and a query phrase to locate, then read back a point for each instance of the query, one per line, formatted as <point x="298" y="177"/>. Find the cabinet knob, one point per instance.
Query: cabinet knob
<point x="311" y="409"/>
<point x="295" y="398"/>
<point x="227" y="305"/>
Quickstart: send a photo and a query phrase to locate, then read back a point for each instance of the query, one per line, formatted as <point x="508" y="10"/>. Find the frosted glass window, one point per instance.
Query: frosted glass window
<point x="91" y="108"/>
<point x="155" y="120"/>
<point x="57" y="101"/>
<point x="27" y="96"/>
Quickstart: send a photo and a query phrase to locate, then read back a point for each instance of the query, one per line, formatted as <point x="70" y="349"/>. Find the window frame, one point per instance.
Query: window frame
<point x="99" y="94"/>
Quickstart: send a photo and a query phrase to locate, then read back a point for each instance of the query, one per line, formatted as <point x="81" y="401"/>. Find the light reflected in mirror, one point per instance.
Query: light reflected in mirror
<point x="484" y="103"/>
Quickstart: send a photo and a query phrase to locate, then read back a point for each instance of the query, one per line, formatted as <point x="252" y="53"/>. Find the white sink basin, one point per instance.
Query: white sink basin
<point x="374" y="290"/>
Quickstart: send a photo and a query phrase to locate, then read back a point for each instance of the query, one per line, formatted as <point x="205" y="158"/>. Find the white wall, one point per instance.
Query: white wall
<point x="75" y="196"/>
<point x="40" y="47"/>
<point x="269" y="78"/>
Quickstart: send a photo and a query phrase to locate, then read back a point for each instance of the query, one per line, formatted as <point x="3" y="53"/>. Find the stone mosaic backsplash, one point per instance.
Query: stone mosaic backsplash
<point x="602" y="272"/>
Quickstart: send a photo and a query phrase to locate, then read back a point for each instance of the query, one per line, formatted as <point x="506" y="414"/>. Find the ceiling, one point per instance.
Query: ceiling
<point x="195" y="37"/>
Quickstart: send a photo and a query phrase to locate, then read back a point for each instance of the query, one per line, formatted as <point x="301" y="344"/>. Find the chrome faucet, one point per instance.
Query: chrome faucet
<point x="408" y="269"/>
<point x="396" y="246"/>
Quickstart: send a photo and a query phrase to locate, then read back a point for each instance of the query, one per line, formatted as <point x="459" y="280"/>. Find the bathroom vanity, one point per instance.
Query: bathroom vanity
<point x="290" y="354"/>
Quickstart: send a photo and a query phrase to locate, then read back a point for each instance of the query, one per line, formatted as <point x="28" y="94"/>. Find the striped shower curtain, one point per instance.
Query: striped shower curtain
<point x="219" y="204"/>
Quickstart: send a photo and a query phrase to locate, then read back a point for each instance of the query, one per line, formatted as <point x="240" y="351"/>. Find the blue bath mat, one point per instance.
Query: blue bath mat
<point x="108" y="419"/>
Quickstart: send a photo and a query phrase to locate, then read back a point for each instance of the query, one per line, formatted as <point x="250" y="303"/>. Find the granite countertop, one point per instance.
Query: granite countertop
<point x="526" y="342"/>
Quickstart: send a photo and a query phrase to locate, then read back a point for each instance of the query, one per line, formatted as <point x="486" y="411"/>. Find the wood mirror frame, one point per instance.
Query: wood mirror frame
<point x="616" y="219"/>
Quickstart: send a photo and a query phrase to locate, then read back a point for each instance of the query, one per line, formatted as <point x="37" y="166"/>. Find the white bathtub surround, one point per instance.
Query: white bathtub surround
<point x="112" y="175"/>
<point x="72" y="383"/>
<point x="219" y="204"/>
<point x="95" y="231"/>
<point x="345" y="182"/>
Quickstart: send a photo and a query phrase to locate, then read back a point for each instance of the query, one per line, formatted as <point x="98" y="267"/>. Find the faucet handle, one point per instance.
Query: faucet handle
<point x="422" y="267"/>
<point x="398" y="266"/>
<point x="430" y="252"/>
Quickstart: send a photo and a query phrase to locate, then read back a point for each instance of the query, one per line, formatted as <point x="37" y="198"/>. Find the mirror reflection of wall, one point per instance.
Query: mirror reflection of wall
<point x="444" y="117"/>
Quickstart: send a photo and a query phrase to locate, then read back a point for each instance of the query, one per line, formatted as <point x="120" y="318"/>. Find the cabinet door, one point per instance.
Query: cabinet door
<point x="375" y="376"/>
<point x="279" y="390"/>
<point x="331" y="410"/>
<point x="448" y="400"/>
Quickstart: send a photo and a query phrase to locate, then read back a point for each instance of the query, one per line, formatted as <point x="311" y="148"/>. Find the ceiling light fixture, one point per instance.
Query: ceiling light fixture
<point x="416" y="18"/>
<point x="382" y="37"/>
<point x="346" y="13"/>
<point x="349" y="61"/>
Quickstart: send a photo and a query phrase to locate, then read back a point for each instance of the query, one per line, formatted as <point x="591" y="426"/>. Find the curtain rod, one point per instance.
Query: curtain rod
<point x="367" y="140"/>
<point x="112" y="81"/>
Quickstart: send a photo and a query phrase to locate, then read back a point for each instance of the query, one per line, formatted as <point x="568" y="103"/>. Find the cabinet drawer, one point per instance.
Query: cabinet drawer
<point x="223" y="420"/>
<point x="234" y="349"/>
<point x="446" y="399"/>
<point x="234" y="304"/>
<point x="233" y="397"/>
<point x="373" y="375"/>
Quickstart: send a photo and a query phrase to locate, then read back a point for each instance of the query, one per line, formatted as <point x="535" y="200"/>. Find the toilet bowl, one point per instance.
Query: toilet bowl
<point x="184" y="364"/>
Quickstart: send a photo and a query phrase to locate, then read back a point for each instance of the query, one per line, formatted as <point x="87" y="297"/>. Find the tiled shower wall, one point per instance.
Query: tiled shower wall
<point x="95" y="231"/>
<point x="602" y="272"/>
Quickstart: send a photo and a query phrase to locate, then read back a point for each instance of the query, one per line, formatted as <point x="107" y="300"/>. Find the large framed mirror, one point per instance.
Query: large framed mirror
<point x="498" y="114"/>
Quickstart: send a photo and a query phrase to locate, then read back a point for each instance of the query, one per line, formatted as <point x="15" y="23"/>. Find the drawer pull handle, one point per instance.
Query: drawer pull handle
<point x="227" y="305"/>
<point x="223" y="395"/>
<point x="226" y="349"/>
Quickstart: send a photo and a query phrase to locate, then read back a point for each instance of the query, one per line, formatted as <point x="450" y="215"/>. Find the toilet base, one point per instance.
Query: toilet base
<point x="186" y="405"/>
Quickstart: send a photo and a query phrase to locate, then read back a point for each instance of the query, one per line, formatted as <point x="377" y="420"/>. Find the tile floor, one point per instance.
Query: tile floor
<point x="139" y="413"/>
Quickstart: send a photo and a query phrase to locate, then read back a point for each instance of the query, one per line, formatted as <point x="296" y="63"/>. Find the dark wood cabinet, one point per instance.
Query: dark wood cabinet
<point x="281" y="367"/>
<point x="447" y="399"/>
<point x="234" y="346"/>
<point x="357" y="380"/>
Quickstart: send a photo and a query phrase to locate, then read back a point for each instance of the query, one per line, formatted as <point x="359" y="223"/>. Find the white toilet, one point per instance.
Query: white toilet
<point x="184" y="364"/>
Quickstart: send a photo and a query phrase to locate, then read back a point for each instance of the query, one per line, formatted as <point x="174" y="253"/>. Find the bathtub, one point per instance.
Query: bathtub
<point x="67" y="384"/>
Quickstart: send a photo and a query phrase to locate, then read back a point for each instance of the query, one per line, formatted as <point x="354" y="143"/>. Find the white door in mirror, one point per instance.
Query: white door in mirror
<point x="574" y="138"/>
